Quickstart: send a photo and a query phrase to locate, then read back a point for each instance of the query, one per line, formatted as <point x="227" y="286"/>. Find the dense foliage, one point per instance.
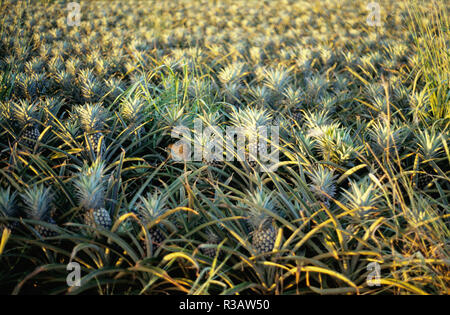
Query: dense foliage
<point x="87" y="174"/>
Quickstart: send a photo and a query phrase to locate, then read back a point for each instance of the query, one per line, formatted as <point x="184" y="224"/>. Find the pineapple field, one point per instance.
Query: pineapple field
<point x="114" y="176"/>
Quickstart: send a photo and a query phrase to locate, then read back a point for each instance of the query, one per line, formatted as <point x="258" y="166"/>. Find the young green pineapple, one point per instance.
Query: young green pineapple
<point x="264" y="233"/>
<point x="91" y="196"/>
<point x="25" y="117"/>
<point x="38" y="201"/>
<point x="8" y="208"/>
<point x="92" y="119"/>
<point x="322" y="184"/>
<point x="148" y="211"/>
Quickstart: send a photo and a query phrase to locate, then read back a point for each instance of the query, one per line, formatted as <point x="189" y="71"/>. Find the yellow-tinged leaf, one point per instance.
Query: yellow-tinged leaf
<point x="173" y="256"/>
<point x="402" y="285"/>
<point x="278" y="239"/>
<point x="122" y="218"/>
<point x="5" y="236"/>
<point x="350" y="172"/>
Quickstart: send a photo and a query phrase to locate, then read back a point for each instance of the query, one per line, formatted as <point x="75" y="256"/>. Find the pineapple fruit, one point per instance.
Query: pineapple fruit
<point x="423" y="178"/>
<point x="37" y="201"/>
<point x="264" y="233"/>
<point x="212" y="239"/>
<point x="92" y="119"/>
<point x="91" y="196"/>
<point x="264" y="237"/>
<point x="98" y="218"/>
<point x="297" y="116"/>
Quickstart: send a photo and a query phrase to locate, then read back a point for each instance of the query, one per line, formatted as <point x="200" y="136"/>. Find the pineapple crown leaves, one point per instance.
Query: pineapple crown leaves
<point x="92" y="116"/>
<point x="256" y="203"/>
<point x="232" y="73"/>
<point x="207" y="140"/>
<point x="363" y="194"/>
<point x="250" y="118"/>
<point x="201" y="87"/>
<point x="132" y="109"/>
<point x="175" y="114"/>
<point x="293" y="97"/>
<point x="423" y="209"/>
<point x="385" y="134"/>
<point x="261" y="94"/>
<point x="328" y="101"/>
<point x="37" y="200"/>
<point x="337" y="144"/>
<point x="317" y="119"/>
<point x="316" y="85"/>
<point x="429" y="143"/>
<point x="277" y="79"/>
<point x="89" y="186"/>
<point x="5" y="111"/>
<point x="24" y="112"/>
<point x="211" y="117"/>
<point x="322" y="181"/>
<point x="7" y="202"/>
<point x="153" y="206"/>
<point x="305" y="143"/>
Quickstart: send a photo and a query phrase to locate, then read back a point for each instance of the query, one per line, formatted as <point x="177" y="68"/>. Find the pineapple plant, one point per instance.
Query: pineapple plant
<point x="209" y="142"/>
<point x="25" y="118"/>
<point x="337" y="145"/>
<point x="430" y="147"/>
<point x="293" y="101"/>
<point x="276" y="80"/>
<point x="231" y="78"/>
<point x="386" y="136"/>
<point x="264" y="233"/>
<point x="91" y="89"/>
<point x="92" y="119"/>
<point x="151" y="209"/>
<point x="249" y="121"/>
<point x="8" y="208"/>
<point x="91" y="196"/>
<point x="37" y="202"/>
<point x="261" y="95"/>
<point x="322" y="184"/>
<point x="132" y="111"/>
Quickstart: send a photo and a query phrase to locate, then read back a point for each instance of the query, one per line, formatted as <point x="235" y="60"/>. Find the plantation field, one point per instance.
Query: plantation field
<point x="224" y="147"/>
